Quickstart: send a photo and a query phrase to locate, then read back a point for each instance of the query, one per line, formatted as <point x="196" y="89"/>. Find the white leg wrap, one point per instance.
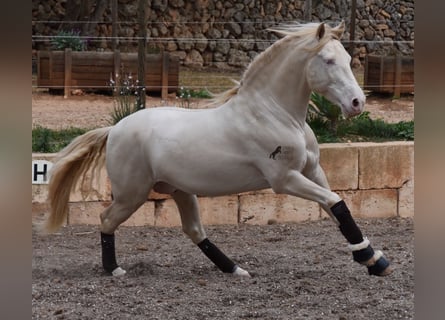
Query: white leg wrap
<point x="359" y="246"/>
<point x="241" y="272"/>
<point x="118" y="272"/>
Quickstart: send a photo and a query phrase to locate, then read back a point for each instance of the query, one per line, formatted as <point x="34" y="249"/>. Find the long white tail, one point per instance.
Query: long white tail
<point x="82" y="154"/>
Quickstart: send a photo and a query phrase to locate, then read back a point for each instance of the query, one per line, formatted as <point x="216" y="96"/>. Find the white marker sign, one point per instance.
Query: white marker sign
<point x="40" y="169"/>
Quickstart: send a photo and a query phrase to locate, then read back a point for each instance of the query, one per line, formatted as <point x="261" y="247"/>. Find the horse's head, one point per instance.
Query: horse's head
<point x="329" y="73"/>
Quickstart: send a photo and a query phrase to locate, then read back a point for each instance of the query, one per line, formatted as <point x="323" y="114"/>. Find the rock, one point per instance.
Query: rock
<point x="201" y="42"/>
<point x="381" y="26"/>
<point x="219" y="57"/>
<point x="160" y="5"/>
<point x="223" y="46"/>
<point x="214" y="33"/>
<point x="171" y="46"/>
<point x="239" y="16"/>
<point x="176" y="3"/>
<point x="356" y="63"/>
<point x="185" y="42"/>
<point x="229" y="13"/>
<point x="211" y="45"/>
<point x="360" y="4"/>
<point x="234" y="28"/>
<point x="248" y="27"/>
<point x="262" y="45"/>
<point x="389" y="33"/>
<point x="154" y="32"/>
<point x="323" y="12"/>
<point x="404" y="48"/>
<point x="385" y="14"/>
<point x="364" y="23"/>
<point x="369" y="34"/>
<point x="193" y="59"/>
<point x="207" y="56"/>
<point x="238" y="58"/>
<point x="163" y="30"/>
<point x="180" y="54"/>
<point x="247" y="43"/>
<point x="128" y="32"/>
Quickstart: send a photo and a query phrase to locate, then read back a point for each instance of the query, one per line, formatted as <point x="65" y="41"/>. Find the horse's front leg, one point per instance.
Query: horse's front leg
<point x="191" y="225"/>
<point x="298" y="185"/>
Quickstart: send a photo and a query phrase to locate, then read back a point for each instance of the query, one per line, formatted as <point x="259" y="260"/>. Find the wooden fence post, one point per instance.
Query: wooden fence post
<point x="68" y="69"/>
<point x="398" y="76"/>
<point x="50" y="61"/>
<point x="307" y="11"/>
<point x="165" y="67"/>
<point x="142" y="53"/>
<point x="352" y="30"/>
<point x="116" y="70"/>
<point x="114" y="24"/>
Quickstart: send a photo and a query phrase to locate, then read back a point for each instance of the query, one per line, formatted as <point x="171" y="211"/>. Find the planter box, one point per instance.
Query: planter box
<point x="390" y="74"/>
<point x="92" y="70"/>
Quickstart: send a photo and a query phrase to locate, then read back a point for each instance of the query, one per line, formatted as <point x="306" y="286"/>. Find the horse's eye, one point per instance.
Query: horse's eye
<point x="330" y="61"/>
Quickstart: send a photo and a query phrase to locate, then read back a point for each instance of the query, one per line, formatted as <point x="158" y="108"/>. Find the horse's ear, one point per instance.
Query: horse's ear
<point x="320" y="31"/>
<point x="338" y="30"/>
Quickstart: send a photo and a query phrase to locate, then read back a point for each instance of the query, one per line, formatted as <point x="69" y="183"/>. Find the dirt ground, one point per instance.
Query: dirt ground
<point x="299" y="271"/>
<point x="93" y="110"/>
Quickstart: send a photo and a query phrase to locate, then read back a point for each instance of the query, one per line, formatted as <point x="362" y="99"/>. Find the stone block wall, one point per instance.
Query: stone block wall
<point x="375" y="179"/>
<point x="230" y="33"/>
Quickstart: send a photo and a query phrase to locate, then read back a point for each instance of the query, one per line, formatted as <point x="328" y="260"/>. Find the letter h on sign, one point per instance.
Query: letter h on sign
<point x="40" y="169"/>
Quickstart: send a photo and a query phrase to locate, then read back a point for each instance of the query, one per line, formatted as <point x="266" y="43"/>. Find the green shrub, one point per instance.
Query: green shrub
<point x="363" y="125"/>
<point x="320" y="107"/>
<point x="123" y="107"/>
<point x="184" y="95"/>
<point x="328" y="124"/>
<point x="41" y="140"/>
<point x="125" y="89"/>
<point x="68" y="40"/>
<point x="405" y="130"/>
<point x="47" y="140"/>
<point x="362" y="128"/>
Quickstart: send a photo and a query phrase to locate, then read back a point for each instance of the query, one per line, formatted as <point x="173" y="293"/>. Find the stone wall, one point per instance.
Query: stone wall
<point x="375" y="179"/>
<point x="231" y="33"/>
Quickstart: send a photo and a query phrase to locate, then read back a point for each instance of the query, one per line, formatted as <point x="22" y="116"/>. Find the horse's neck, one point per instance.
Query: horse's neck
<point x="280" y="86"/>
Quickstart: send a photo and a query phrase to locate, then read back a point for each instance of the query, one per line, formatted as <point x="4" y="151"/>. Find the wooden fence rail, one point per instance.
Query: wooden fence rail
<point x="390" y="74"/>
<point x="93" y="70"/>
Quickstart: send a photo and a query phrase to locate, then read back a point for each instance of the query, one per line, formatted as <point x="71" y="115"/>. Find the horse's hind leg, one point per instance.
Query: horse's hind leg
<point x="123" y="206"/>
<point x="191" y="225"/>
<point x="314" y="186"/>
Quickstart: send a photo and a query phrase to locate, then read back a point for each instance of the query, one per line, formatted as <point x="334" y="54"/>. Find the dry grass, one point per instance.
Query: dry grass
<point x="214" y="80"/>
<point x="217" y="80"/>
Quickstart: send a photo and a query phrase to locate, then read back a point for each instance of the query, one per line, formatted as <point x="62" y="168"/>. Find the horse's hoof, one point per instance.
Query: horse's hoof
<point x="380" y="268"/>
<point x="241" y="272"/>
<point x="386" y="272"/>
<point x="118" y="272"/>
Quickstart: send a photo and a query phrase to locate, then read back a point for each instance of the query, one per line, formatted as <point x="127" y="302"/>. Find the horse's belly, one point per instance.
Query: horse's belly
<point x="212" y="177"/>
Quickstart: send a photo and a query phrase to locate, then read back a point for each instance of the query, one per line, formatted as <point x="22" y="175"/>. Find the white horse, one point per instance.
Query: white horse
<point x="235" y="147"/>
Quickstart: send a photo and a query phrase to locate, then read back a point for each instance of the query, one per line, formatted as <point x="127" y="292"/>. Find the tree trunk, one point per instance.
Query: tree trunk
<point x="72" y="13"/>
<point x="307" y="10"/>
<point x="141" y="53"/>
<point x="83" y="15"/>
<point x="101" y="6"/>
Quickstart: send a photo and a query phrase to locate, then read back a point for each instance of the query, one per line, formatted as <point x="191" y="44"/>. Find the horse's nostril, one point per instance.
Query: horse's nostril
<point x="355" y="102"/>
